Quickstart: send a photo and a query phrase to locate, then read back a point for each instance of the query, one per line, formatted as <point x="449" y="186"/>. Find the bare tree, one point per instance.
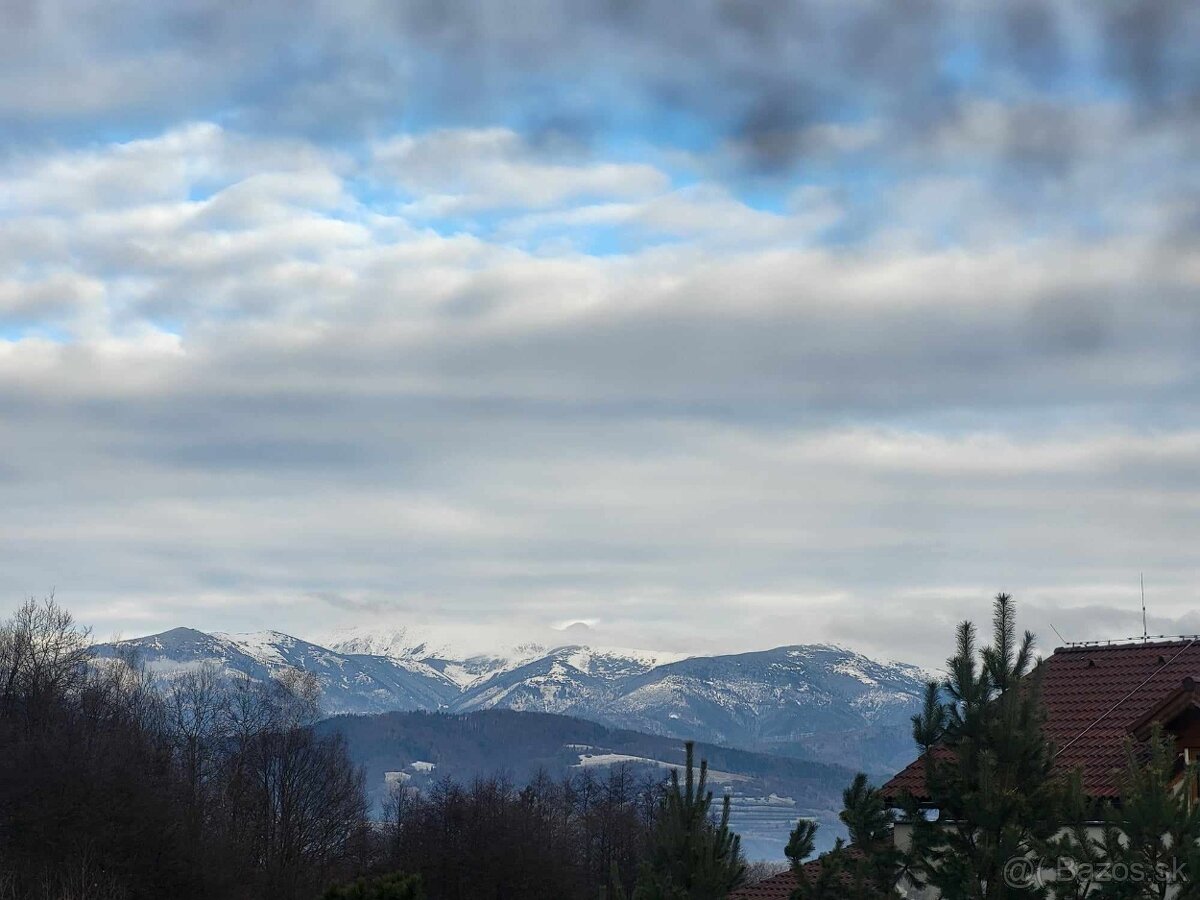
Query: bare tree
<point x="197" y="706"/>
<point x="43" y="657"/>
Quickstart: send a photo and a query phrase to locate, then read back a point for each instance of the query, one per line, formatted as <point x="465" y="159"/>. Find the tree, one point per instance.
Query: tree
<point x="116" y="785"/>
<point x="692" y="857"/>
<point x="825" y="883"/>
<point x="43" y="658"/>
<point x="1152" y="835"/>
<point x="873" y="870"/>
<point x="305" y="805"/>
<point x="988" y="768"/>
<point x="87" y="786"/>
<point x="385" y="887"/>
<point x="868" y="868"/>
<point x="1075" y="851"/>
<point x="196" y="706"/>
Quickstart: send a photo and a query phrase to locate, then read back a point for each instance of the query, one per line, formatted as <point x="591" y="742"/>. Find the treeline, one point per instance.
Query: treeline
<point x="553" y="839"/>
<point x="116" y="785"/>
<point x="112" y="788"/>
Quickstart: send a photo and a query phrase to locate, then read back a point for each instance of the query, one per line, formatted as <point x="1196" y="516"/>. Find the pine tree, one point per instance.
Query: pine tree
<point x="385" y="887"/>
<point x="1152" y="835"/>
<point x="826" y="883"/>
<point x="868" y="868"/>
<point x="988" y="768"/>
<point x="692" y="857"/>
<point x="1076" y="850"/>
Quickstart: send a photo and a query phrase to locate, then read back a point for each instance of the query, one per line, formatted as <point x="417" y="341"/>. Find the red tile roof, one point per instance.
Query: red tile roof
<point x="1093" y="697"/>
<point x="780" y="887"/>
<point x="777" y="887"/>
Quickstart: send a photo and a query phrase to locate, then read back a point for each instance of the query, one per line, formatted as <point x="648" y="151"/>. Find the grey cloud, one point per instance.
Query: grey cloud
<point x="1032" y="37"/>
<point x="45" y="302"/>
<point x="753" y="74"/>
<point x="1152" y="46"/>
<point x="280" y="400"/>
<point x="231" y="453"/>
<point x="926" y="628"/>
<point x="526" y="511"/>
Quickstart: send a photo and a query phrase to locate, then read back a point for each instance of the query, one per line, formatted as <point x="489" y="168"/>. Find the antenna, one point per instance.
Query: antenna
<point x="1060" y="637"/>
<point x="1142" y="582"/>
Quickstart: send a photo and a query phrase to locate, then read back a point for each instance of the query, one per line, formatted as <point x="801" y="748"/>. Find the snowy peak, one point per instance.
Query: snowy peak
<point x="399" y="642"/>
<point x="349" y="684"/>
<point x="814" y="701"/>
<point x="468" y="671"/>
<point x="614" y="661"/>
<point x="268" y="647"/>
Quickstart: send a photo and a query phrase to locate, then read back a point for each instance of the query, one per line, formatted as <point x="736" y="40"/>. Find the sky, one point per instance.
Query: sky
<point x="695" y="326"/>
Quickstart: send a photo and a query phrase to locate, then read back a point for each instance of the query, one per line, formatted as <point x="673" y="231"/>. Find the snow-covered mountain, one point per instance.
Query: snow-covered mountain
<point x="397" y="642"/>
<point x="808" y="701"/>
<point x="350" y="683"/>
<point x="404" y="646"/>
<point x="817" y="700"/>
<point x="575" y="680"/>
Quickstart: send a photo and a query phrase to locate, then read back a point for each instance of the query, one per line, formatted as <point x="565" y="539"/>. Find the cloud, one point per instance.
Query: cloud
<point x="276" y="391"/>
<point x="472" y="170"/>
<point x="760" y="78"/>
<point x="717" y="330"/>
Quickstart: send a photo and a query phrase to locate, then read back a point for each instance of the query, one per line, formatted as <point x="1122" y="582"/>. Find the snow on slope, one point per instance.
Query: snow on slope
<point x="573" y="680"/>
<point x="348" y="684"/>
<point x="395" y="642"/>
<point x="816" y="701"/>
<point x="409" y="647"/>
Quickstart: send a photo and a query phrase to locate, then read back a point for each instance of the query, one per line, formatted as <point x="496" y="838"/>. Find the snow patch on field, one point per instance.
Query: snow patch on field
<point x="587" y="760"/>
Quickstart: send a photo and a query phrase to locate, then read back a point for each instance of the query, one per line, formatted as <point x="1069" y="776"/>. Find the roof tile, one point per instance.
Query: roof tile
<point x="1093" y="695"/>
<point x="777" y="887"/>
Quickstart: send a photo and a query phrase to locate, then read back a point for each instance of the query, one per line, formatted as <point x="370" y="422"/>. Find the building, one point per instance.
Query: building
<point x="777" y="887"/>
<point x="1095" y="696"/>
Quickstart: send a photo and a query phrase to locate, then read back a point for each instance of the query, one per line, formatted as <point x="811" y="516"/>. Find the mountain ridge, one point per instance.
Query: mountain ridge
<point x="817" y="701"/>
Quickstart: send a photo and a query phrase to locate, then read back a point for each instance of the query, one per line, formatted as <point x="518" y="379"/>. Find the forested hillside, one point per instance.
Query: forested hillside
<point x="420" y="749"/>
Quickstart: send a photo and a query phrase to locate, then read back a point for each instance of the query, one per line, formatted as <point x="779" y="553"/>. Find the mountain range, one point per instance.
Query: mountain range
<point x="817" y="702"/>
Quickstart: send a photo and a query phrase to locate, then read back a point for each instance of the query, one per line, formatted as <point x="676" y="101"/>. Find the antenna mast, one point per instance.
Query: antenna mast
<point x="1142" y="582"/>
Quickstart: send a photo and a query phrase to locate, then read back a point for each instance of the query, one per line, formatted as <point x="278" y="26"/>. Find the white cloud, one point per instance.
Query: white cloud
<point x="272" y="388"/>
<point x="464" y="171"/>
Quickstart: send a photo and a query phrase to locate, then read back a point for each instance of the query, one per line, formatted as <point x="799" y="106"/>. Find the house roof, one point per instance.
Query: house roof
<point x="1095" y="696"/>
<point x="777" y="887"/>
<point x="1182" y="700"/>
<point x="781" y="886"/>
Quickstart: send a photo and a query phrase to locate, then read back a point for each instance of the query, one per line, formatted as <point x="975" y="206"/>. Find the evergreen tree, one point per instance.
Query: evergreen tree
<point x="868" y="868"/>
<point x="988" y="768"/>
<point x="1152" y="835"/>
<point x="692" y="857"/>
<point x="385" y="887"/>
<point x="1075" y="850"/>
<point x="826" y="883"/>
<point x="873" y="871"/>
